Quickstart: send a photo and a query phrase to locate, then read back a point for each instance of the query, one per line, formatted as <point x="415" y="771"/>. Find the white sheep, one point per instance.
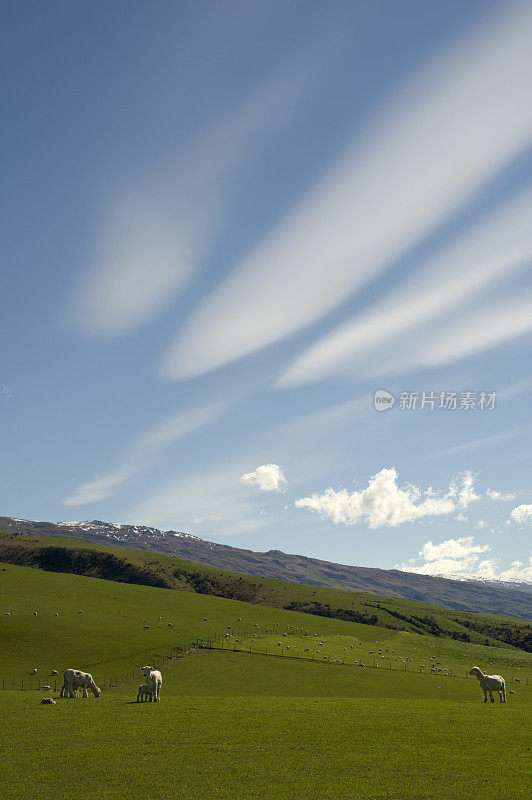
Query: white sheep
<point x="47" y="701"/>
<point x="143" y="693"/>
<point x="74" y="679"/>
<point x="489" y="684"/>
<point x="154" y="679"/>
<point x="54" y="672"/>
<point x="34" y="671"/>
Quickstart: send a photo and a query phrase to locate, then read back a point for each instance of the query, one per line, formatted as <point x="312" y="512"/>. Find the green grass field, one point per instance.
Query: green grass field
<point x="155" y="569"/>
<point x="238" y="724"/>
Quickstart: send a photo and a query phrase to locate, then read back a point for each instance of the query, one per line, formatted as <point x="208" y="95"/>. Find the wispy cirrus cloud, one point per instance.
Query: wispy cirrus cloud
<point x="214" y="499"/>
<point x="433" y="147"/>
<point x="496" y="249"/>
<point x="143" y="453"/>
<point x="475" y="444"/>
<point x="385" y="504"/>
<point x="473" y="331"/>
<point x="159" y="228"/>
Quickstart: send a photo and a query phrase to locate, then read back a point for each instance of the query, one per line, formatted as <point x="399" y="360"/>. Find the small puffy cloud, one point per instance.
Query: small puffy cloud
<point x="493" y="494"/>
<point x="268" y="477"/>
<point x="462" y="559"/>
<point x="453" y="558"/>
<point x="462" y="489"/>
<point x="480" y="524"/>
<point x="522" y="513"/>
<point x="384" y="503"/>
<point x="517" y="571"/>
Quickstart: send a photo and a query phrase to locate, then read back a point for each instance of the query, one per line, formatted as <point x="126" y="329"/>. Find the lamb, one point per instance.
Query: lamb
<point x="490" y="683"/>
<point x="74" y="679"/>
<point x="154" y="679"/>
<point x="143" y="693"/>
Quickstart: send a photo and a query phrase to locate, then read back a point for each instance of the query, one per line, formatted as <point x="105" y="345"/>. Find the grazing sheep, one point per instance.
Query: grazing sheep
<point x="54" y="672"/>
<point x="512" y="691"/>
<point x="154" y="679"/>
<point x="7" y="613"/>
<point x="517" y="680"/>
<point x="46" y="687"/>
<point x="47" y="701"/>
<point x="170" y="625"/>
<point x="35" y="613"/>
<point x="146" y="627"/>
<point x="34" y="671"/>
<point x="489" y="684"/>
<point x="143" y="693"/>
<point x="74" y="679"/>
<point x="56" y="614"/>
<point x="80" y="612"/>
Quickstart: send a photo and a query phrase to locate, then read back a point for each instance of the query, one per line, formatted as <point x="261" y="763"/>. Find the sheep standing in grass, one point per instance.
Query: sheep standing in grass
<point x="154" y="679"/>
<point x="489" y="684"/>
<point x="74" y="679"/>
<point x="143" y="693"/>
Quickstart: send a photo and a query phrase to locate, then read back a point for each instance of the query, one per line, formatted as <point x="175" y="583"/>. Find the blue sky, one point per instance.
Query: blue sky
<point x="228" y="225"/>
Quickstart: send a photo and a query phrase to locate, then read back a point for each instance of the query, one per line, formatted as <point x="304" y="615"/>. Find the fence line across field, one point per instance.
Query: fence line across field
<point x="217" y="642"/>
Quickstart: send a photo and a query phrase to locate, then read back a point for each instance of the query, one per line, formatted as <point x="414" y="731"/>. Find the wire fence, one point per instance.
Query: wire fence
<point x="222" y="641"/>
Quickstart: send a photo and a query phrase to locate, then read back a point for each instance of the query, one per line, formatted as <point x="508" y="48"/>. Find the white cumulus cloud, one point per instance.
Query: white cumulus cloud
<point x="494" y="494"/>
<point x="384" y="503"/>
<point x="522" y="513"/>
<point x="268" y="477"/>
<point x="462" y="559"/>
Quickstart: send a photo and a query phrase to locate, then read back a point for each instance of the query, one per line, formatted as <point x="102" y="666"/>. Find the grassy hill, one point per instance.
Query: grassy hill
<point x="490" y="597"/>
<point x="235" y="724"/>
<point x="163" y="571"/>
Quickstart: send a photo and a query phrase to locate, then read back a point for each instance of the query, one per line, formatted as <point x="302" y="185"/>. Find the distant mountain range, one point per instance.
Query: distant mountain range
<point x="487" y="596"/>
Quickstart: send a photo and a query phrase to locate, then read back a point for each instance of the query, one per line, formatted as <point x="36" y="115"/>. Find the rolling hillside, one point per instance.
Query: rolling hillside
<point x="167" y="572"/>
<point x="459" y="595"/>
<point x="302" y="720"/>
